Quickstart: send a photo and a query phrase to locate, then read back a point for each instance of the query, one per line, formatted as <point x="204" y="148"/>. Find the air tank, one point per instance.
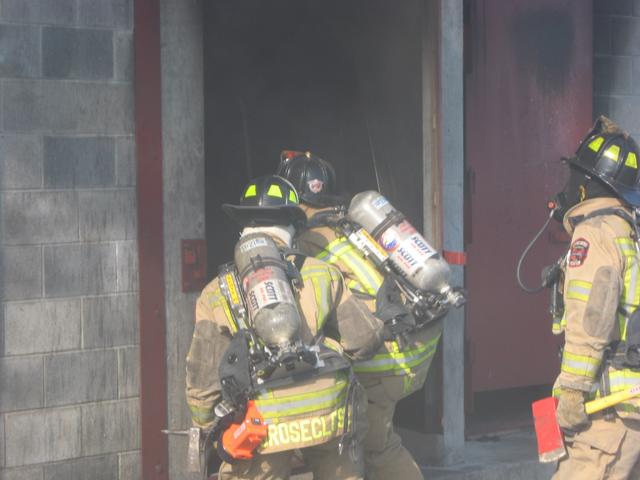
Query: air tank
<point x="273" y="310"/>
<point x="411" y="255"/>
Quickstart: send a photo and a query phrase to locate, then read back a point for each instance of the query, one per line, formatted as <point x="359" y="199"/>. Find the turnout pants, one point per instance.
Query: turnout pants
<point x="323" y="460"/>
<point x="385" y="457"/>
<point x="608" y="449"/>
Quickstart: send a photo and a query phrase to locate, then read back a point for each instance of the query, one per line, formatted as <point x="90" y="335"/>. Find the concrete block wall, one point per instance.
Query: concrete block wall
<point x="69" y="405"/>
<point x="616" y="66"/>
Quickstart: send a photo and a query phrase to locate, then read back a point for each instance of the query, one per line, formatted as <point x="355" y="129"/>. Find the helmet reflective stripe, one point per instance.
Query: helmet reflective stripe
<point x="341" y="250"/>
<point x="293" y="197"/>
<point x="400" y="363"/>
<point x="596" y="144"/>
<point x="251" y="191"/>
<point x="274" y="191"/>
<point x="632" y="160"/>
<point x="613" y="152"/>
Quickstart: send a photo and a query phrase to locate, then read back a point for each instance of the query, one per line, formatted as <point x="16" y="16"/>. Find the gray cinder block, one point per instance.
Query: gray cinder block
<point x="39" y="11"/>
<point x="2" y="442"/>
<point x="124" y="56"/>
<point x="616" y="7"/>
<point x="80" y="377"/>
<point x="110" y="321"/>
<point x="42" y="436"/>
<point x="20" y="273"/>
<point x="42" y="327"/>
<point x="126" y="161"/>
<point x="625" y="112"/>
<point x="94" y="468"/>
<point x="20" y="383"/>
<point x="114" y="13"/>
<point x="625" y="36"/>
<point x="127" y="266"/>
<point x="130" y="466"/>
<point x="20" y="47"/>
<point x="602" y="35"/>
<point x="38" y="217"/>
<point x="77" y="53"/>
<point x="79" y="162"/>
<point x="79" y="269"/>
<point x="111" y="427"/>
<point x="128" y="372"/>
<point x="20" y="161"/>
<point x="600" y="106"/>
<point x="612" y="75"/>
<point x="62" y="106"/>
<point x="108" y="215"/>
<point x="636" y="75"/>
<point x="25" y="473"/>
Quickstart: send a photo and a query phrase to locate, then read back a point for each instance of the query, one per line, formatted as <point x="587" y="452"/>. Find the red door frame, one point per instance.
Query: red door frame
<point x="148" y="124"/>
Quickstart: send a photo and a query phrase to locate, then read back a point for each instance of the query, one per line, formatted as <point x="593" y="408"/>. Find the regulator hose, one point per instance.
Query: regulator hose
<point x="524" y="254"/>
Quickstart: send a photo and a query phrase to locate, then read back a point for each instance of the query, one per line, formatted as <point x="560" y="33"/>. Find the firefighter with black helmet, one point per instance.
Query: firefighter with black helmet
<point x="601" y="294"/>
<point x="400" y="367"/>
<point x="268" y="371"/>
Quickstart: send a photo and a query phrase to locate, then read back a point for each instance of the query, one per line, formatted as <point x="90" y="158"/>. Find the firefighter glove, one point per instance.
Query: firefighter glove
<point x="570" y="412"/>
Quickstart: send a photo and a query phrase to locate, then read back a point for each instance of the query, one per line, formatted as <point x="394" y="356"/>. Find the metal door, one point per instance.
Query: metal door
<point x="528" y="87"/>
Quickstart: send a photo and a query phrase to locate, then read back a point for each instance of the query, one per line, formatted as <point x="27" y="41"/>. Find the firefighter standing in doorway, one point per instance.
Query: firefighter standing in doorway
<point x="398" y="369"/>
<point x="262" y="350"/>
<point x="601" y="294"/>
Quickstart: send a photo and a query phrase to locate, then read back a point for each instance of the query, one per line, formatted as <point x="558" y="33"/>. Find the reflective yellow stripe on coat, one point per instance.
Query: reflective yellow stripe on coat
<point x="368" y="279"/>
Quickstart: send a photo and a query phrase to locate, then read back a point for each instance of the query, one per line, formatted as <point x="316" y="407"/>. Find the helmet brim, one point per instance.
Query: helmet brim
<point x="250" y="216"/>
<point x="629" y="195"/>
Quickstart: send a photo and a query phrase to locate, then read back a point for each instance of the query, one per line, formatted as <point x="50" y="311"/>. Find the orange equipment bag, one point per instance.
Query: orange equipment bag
<point x="241" y="439"/>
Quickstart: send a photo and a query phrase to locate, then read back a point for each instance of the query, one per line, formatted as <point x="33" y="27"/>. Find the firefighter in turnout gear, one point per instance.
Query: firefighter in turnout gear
<point x="601" y="296"/>
<point x="398" y="368"/>
<point x="268" y="371"/>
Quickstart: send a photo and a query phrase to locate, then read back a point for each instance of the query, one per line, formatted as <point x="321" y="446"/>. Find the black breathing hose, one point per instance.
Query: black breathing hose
<point x="524" y="254"/>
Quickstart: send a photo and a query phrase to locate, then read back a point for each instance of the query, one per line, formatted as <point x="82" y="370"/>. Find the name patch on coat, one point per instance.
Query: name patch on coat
<point x="578" y="253"/>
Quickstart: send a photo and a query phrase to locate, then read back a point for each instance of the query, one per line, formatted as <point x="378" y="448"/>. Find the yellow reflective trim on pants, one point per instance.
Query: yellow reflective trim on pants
<point x="397" y="362"/>
<point x="581" y="365"/>
<point x="333" y="397"/>
<point x="579" y="290"/>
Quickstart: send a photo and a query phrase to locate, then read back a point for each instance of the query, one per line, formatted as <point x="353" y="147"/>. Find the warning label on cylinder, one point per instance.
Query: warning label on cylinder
<point x="412" y="253"/>
<point x="268" y="292"/>
<point x="253" y="243"/>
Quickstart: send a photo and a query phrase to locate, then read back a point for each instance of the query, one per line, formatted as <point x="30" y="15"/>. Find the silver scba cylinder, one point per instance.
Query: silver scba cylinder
<point x="409" y="252"/>
<point x="270" y="301"/>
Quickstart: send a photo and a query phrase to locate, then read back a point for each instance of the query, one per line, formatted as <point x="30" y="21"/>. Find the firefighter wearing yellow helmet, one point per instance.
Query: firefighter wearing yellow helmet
<point x="267" y="371"/>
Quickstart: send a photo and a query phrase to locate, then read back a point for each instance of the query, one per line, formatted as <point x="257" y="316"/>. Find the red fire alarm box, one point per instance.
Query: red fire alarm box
<point x="194" y="265"/>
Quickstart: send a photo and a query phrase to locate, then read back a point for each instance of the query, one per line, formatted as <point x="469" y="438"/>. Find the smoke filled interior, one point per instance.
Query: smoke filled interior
<point x="339" y="78"/>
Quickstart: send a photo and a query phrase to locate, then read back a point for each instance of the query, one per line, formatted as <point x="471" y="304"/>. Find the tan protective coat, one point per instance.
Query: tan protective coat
<point x="385" y="457"/>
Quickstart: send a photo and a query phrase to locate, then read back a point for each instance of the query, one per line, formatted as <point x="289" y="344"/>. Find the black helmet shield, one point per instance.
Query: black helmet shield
<point x="313" y="177"/>
<point x="268" y="200"/>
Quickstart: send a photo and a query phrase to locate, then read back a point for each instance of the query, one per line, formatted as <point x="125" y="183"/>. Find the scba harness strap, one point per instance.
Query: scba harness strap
<point x="248" y="372"/>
